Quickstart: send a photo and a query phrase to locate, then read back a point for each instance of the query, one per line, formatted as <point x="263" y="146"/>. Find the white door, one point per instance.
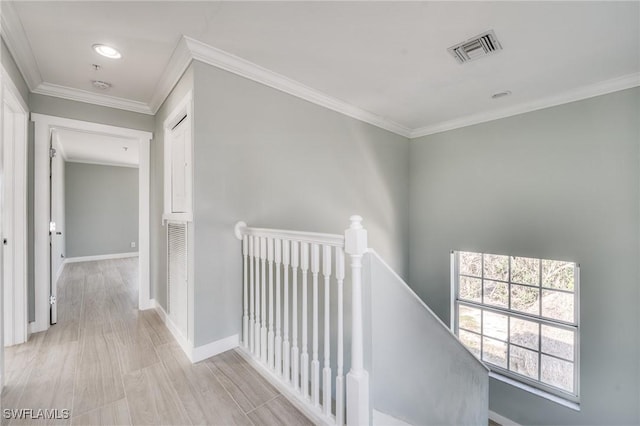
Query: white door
<point x="14" y="218"/>
<point x="7" y="223"/>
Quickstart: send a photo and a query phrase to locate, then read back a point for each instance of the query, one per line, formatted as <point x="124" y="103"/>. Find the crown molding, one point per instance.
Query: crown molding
<point x="16" y="39"/>
<point x="236" y="65"/>
<point x="92" y="98"/>
<point x="189" y="49"/>
<point x="178" y="63"/>
<point x="580" y="93"/>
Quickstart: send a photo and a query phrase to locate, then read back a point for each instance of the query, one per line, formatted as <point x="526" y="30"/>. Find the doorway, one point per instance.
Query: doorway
<point x="47" y="130"/>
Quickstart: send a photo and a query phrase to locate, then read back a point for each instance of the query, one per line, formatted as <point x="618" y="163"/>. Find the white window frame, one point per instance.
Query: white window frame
<point x="568" y="399"/>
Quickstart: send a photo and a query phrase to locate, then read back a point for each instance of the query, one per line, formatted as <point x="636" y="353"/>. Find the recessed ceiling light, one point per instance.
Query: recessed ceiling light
<point x="107" y="51"/>
<point x="501" y="94"/>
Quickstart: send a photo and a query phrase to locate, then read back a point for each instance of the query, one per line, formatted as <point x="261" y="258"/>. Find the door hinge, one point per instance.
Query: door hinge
<point x="52" y="152"/>
<point x="52" y="300"/>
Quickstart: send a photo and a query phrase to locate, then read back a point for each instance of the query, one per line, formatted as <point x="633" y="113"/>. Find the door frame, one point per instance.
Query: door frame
<point x="16" y="232"/>
<point x="43" y="126"/>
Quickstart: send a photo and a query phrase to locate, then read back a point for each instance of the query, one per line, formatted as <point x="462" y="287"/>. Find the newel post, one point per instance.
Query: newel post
<point x="355" y="245"/>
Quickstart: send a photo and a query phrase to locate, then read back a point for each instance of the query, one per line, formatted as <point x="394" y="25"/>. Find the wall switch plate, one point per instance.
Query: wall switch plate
<point x="133" y="244"/>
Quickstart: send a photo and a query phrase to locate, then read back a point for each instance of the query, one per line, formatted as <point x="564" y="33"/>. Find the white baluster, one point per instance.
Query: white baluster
<point x="270" y="335"/>
<point x="286" y="355"/>
<point x="358" y="378"/>
<point x="278" y="339"/>
<point x="252" y="318"/>
<point x="304" y="356"/>
<point x="339" y="373"/>
<point x="256" y="253"/>
<point x="326" y="371"/>
<point x="263" y="294"/>
<point x="245" y="295"/>
<point x="295" y="360"/>
<point x="315" y="363"/>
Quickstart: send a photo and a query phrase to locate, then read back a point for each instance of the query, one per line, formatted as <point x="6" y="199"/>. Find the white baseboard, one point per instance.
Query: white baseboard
<point x="382" y="419"/>
<point x="198" y="353"/>
<point x="214" y="348"/>
<point x="504" y="421"/>
<point x="60" y="269"/>
<point x="100" y="257"/>
<point x="36" y="327"/>
<point x="314" y="414"/>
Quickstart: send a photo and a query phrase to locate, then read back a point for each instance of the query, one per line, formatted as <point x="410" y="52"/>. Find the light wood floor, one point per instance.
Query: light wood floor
<point x="109" y="363"/>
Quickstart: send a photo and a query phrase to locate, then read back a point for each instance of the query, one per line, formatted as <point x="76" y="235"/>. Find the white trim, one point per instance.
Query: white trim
<point x="103" y="163"/>
<point x="80" y="95"/>
<point x="13" y="89"/>
<point x="189" y="49"/>
<point x="178" y="63"/>
<point x="18" y="44"/>
<point x="236" y="65"/>
<point x="601" y="88"/>
<point x="43" y="125"/>
<point x="198" y="353"/>
<point x="214" y="348"/>
<point x="16" y="233"/>
<point x="534" y="390"/>
<point x="100" y="257"/>
<point x="502" y="420"/>
<point x="382" y="419"/>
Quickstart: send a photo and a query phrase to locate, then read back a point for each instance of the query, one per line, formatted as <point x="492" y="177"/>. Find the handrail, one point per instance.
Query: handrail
<point x="320" y="257"/>
<point x="333" y="240"/>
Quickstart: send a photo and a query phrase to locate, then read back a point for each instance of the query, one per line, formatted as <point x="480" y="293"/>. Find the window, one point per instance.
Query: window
<point x="520" y="316"/>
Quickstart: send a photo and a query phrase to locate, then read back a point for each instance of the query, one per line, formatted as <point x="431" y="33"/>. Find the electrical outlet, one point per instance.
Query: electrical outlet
<point x="133" y="244"/>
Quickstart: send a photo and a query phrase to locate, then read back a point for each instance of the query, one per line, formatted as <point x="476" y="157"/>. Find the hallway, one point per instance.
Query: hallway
<point x="108" y="363"/>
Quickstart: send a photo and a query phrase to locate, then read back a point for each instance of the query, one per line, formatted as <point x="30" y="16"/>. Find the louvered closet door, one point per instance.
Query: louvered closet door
<point x="177" y="275"/>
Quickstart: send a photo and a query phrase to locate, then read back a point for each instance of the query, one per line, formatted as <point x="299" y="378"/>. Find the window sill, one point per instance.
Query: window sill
<point x="539" y="392"/>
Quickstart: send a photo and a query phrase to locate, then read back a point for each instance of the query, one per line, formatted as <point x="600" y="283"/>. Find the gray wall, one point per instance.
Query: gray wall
<point x="274" y="160"/>
<point x="559" y="183"/>
<point x="158" y="234"/>
<point x="419" y="371"/>
<point x="101" y="204"/>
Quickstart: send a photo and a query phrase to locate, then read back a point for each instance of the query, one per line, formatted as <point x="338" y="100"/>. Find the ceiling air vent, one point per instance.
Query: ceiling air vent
<point x="482" y="45"/>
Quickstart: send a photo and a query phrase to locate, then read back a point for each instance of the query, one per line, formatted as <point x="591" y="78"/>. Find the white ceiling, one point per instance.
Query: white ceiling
<point x="385" y="58"/>
<point x="82" y="147"/>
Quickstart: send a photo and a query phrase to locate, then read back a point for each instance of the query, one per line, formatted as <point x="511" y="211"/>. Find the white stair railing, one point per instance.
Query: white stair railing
<point x="271" y="347"/>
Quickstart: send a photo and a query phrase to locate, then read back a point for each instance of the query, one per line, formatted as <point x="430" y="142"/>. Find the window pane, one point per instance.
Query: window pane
<point x="494" y="351"/>
<point x="471" y="289"/>
<point x="523" y="361"/>
<point x="556" y="274"/>
<point x="524" y="333"/>
<point x="496" y="293"/>
<point x="557" y="341"/>
<point x="471" y="341"/>
<point x="496" y="267"/>
<point x="495" y="325"/>
<point x="470" y="263"/>
<point x="557" y="305"/>
<point x="556" y="372"/>
<point x="525" y="299"/>
<point x="525" y="270"/>
<point x="469" y="318"/>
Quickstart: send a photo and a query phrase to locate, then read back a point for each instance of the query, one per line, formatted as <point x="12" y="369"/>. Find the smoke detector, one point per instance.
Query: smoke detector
<point x="102" y="85"/>
<point x="477" y="47"/>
